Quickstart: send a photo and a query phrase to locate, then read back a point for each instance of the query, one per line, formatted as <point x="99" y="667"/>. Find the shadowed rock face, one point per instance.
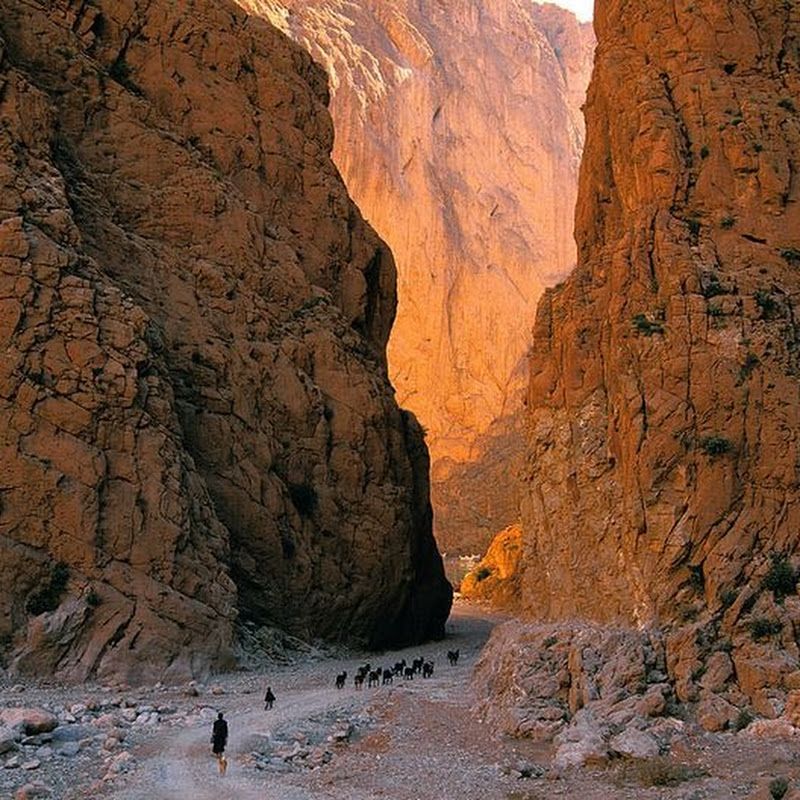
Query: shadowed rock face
<point x="662" y="471"/>
<point x="195" y="415"/>
<point x="458" y="133"/>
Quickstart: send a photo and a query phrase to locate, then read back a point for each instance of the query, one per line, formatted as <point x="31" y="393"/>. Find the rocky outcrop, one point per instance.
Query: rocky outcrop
<point x="661" y="483"/>
<point x="195" y="415"/>
<point x="458" y="133"/>
<point x="495" y="578"/>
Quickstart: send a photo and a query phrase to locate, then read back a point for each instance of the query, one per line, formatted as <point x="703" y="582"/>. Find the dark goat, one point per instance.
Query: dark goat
<point x="452" y="657"/>
<point x="417" y="663"/>
<point x="374" y="677"/>
<point x="427" y="669"/>
<point x="340" y="679"/>
<point x="388" y="676"/>
<point x="358" y="680"/>
<point x="408" y="674"/>
<point x="399" y="667"/>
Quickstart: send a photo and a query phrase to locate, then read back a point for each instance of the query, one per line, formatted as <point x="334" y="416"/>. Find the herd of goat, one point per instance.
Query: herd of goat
<point x="386" y="675"/>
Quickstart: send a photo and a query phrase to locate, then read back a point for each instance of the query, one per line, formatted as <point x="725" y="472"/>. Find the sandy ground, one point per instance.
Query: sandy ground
<point x="413" y="740"/>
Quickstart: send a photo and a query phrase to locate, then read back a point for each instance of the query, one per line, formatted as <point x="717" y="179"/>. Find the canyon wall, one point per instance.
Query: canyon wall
<point x="458" y="133"/>
<point x="661" y="483"/>
<point x="196" y="420"/>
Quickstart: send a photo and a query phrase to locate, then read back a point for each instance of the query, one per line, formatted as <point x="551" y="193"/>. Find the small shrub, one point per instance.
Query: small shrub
<point x="93" y="599"/>
<point x="787" y="104"/>
<point x="696" y="578"/>
<point x="781" y="579"/>
<point x="791" y="254"/>
<point x="763" y="628"/>
<point x="49" y="596"/>
<point x="646" y="326"/>
<point x="716" y="446"/>
<point x="694" y="225"/>
<point x="737" y="120"/>
<point x="716" y="312"/>
<point x="778" y="788"/>
<point x="758" y="147"/>
<point x="729" y="68"/>
<point x="482" y="574"/>
<point x="743" y="719"/>
<point x="711" y="287"/>
<point x="704" y="152"/>
<point x="767" y="304"/>
<point x="751" y="361"/>
<point x="728" y="597"/>
<point x="727" y="222"/>
<point x="662" y="771"/>
<point x="550" y="641"/>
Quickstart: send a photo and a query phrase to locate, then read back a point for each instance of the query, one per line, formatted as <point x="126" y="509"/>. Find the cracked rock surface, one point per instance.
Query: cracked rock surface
<point x="195" y="416"/>
<point x="661" y="485"/>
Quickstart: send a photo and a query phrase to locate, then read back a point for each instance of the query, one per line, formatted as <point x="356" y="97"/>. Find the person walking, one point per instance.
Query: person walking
<point x="219" y="738"/>
<point x="269" y="699"/>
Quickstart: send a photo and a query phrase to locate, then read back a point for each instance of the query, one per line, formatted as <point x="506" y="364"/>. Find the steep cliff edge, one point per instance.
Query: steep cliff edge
<point x="458" y="133"/>
<point x="661" y="484"/>
<point x="195" y="415"/>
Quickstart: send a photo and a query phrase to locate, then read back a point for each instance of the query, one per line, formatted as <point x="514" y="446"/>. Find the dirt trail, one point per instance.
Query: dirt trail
<point x="177" y="765"/>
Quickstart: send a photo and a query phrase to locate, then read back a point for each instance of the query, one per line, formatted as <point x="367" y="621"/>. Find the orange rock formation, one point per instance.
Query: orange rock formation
<point x="195" y="414"/>
<point x="495" y="577"/>
<point x="458" y="132"/>
<point x="662" y="474"/>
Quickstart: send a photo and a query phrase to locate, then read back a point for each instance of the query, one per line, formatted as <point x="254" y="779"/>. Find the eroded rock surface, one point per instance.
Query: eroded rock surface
<point x="195" y="414"/>
<point x="662" y="484"/>
<point x="458" y="133"/>
<point x="495" y="578"/>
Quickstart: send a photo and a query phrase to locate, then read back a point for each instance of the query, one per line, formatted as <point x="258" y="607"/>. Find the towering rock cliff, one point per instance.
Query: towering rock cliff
<point x="458" y="133"/>
<point x="662" y="478"/>
<point x="195" y="415"/>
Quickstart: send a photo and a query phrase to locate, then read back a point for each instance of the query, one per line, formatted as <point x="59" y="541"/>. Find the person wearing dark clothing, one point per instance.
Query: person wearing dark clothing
<point x="219" y="738"/>
<point x="269" y="699"/>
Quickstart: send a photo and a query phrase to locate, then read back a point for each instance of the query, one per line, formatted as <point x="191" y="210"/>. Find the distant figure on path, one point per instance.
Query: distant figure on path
<point x="219" y="738"/>
<point x="269" y="699"/>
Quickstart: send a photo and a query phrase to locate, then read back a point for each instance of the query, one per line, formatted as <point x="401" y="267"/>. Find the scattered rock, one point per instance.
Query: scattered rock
<point x="634" y="743"/>
<point x="30" y="720"/>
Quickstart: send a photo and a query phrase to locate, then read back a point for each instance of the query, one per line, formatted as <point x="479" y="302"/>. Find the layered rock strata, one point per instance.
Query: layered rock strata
<point x="661" y="485"/>
<point x="458" y="133"/>
<point x="195" y="415"/>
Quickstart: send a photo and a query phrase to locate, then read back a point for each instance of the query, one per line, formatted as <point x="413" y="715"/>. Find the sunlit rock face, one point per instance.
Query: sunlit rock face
<point x="661" y="483"/>
<point x="458" y="133"/>
<point x="196" y="420"/>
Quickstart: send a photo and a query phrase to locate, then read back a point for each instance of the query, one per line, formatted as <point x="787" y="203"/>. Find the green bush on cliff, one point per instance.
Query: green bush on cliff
<point x="781" y="579"/>
<point x="49" y="596"/>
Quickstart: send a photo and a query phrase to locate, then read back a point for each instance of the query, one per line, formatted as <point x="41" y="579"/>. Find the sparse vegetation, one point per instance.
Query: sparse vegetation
<point x="767" y="304"/>
<point x="728" y="597"/>
<point x="716" y="446"/>
<point x="711" y="287"/>
<point x="482" y="574"/>
<point x="781" y="579"/>
<point x="694" y="225"/>
<point x="791" y="254"/>
<point x="550" y="641"/>
<point x="727" y="222"/>
<point x="93" y="599"/>
<point x="751" y="361"/>
<point x="661" y="771"/>
<point x="646" y="326"/>
<point x="763" y="628"/>
<point x="743" y="719"/>
<point x="729" y="68"/>
<point x="778" y="788"/>
<point x="49" y="596"/>
<point x="696" y="578"/>
<point x="787" y="104"/>
<point x="704" y="152"/>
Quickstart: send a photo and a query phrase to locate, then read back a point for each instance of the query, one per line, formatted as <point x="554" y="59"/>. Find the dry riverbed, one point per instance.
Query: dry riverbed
<point x="412" y="740"/>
